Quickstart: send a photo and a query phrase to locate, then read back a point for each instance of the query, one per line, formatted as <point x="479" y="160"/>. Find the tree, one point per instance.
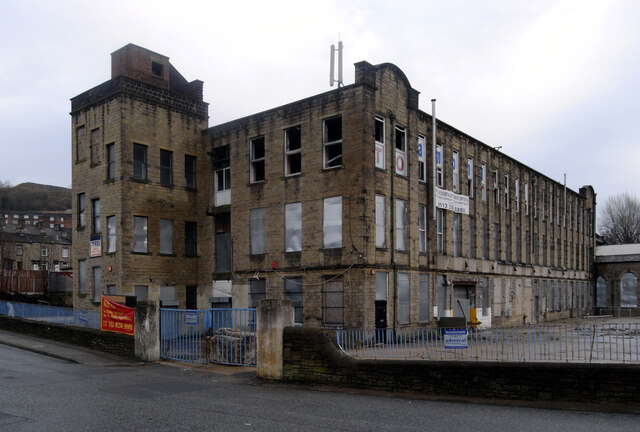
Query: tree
<point x="620" y="219"/>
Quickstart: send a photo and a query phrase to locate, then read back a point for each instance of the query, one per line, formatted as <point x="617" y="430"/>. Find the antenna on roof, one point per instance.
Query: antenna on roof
<point x="332" y="65"/>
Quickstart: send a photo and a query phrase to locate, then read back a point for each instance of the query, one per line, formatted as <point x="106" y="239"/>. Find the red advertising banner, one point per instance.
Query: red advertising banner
<point x="115" y="317"/>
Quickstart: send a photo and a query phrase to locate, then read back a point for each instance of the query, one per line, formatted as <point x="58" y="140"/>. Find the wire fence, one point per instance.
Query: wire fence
<point x="52" y="314"/>
<point x="580" y="343"/>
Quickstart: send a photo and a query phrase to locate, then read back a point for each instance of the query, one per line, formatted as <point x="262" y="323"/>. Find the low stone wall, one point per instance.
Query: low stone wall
<point x="311" y="356"/>
<point x="108" y="342"/>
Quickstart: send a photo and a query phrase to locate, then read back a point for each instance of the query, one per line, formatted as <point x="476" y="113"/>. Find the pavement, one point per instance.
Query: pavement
<point x="82" y="355"/>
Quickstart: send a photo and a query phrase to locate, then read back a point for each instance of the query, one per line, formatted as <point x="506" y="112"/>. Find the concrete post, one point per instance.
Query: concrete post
<point x="147" y="331"/>
<point x="273" y="316"/>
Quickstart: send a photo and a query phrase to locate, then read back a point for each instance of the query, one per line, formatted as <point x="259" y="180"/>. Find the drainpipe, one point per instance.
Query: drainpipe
<point x="433" y="153"/>
<point x="393" y="221"/>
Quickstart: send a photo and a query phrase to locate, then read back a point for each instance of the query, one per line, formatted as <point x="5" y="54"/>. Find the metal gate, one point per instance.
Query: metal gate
<point x="225" y="336"/>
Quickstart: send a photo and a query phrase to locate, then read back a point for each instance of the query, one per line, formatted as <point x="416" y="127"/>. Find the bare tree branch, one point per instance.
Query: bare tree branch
<point x="620" y="219"/>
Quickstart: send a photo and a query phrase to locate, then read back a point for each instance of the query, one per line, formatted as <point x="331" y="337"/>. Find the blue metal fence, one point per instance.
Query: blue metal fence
<point x="52" y="314"/>
<point x="225" y="336"/>
<point x="590" y="343"/>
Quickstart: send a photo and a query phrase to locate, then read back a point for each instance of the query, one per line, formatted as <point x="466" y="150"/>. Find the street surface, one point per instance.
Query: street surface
<point x="40" y="393"/>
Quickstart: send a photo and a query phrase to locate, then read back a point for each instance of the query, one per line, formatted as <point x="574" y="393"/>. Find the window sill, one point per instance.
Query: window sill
<point x="382" y="249"/>
<point x="109" y="181"/>
<point x="332" y="251"/>
<point x="292" y="176"/>
<point x="137" y="180"/>
<point x="190" y="256"/>
<point x="79" y="161"/>
<point x="167" y="254"/>
<point x="141" y="253"/>
<point x="168" y="185"/>
<point x="191" y="188"/>
<point x="332" y="168"/>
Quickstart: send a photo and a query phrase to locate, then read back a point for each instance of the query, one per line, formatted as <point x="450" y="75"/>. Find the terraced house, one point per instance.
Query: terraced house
<point x="342" y="202"/>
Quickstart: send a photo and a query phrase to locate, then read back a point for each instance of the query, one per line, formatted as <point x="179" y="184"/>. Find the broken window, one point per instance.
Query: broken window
<point x="332" y="140"/>
<point x="257" y="160"/>
<point x="470" y="185"/>
<point x="379" y="139"/>
<point x="455" y="172"/>
<point x="401" y="150"/>
<point x="293" y="151"/>
<point x="439" y="179"/>
<point x="156" y="68"/>
<point x="483" y="182"/>
<point x="422" y="159"/>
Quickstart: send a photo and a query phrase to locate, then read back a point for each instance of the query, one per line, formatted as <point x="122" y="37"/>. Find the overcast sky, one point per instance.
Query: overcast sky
<point x="555" y="83"/>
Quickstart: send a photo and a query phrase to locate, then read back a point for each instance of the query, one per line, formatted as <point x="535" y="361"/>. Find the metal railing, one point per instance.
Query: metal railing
<point x="583" y="343"/>
<point x="52" y="314"/>
<point x="225" y="336"/>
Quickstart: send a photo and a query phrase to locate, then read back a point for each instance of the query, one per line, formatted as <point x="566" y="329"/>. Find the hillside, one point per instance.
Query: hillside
<point x="34" y="197"/>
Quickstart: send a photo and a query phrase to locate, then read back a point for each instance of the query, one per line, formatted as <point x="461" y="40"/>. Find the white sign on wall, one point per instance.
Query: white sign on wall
<point x="401" y="163"/>
<point x="448" y="200"/>
<point x="96" y="246"/>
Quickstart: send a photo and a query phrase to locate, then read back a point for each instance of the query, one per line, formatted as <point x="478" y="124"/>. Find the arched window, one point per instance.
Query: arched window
<point x="601" y="292"/>
<point x="628" y="290"/>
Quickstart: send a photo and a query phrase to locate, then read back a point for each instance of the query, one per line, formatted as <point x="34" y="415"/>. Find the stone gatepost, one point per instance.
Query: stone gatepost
<point x="147" y="331"/>
<point x="273" y="316"/>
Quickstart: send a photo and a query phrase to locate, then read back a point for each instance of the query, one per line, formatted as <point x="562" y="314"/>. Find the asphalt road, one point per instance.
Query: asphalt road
<point x="40" y="393"/>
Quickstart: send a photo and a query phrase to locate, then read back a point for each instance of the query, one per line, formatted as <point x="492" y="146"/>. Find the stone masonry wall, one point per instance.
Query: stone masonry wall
<point x="311" y="356"/>
<point x="112" y="343"/>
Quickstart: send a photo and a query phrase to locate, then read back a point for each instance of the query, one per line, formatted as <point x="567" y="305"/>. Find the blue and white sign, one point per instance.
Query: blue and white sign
<point x="191" y="317"/>
<point x="455" y="338"/>
<point x="83" y="317"/>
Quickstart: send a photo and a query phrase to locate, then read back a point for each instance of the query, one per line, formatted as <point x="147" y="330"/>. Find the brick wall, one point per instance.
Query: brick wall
<point x="311" y="356"/>
<point x="112" y="343"/>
